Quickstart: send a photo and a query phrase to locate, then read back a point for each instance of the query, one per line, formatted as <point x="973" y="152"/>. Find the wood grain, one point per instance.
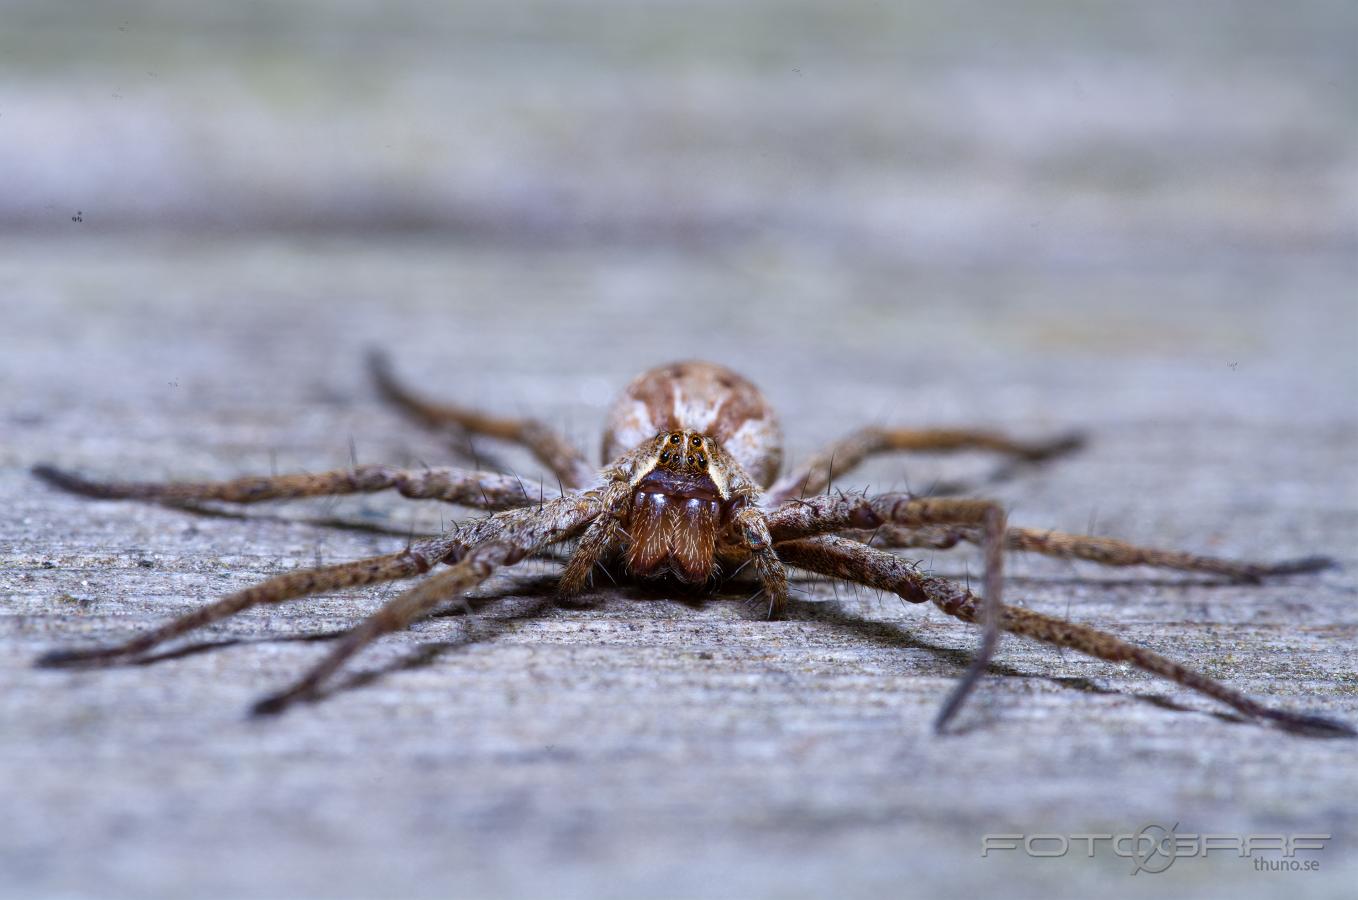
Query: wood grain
<point x="1150" y="246"/>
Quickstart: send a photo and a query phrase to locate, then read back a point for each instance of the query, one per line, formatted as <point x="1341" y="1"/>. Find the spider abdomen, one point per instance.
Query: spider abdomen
<point x="703" y="398"/>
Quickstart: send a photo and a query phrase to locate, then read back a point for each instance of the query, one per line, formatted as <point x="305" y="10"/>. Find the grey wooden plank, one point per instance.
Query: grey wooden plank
<point x="1139" y="224"/>
<point x="636" y="744"/>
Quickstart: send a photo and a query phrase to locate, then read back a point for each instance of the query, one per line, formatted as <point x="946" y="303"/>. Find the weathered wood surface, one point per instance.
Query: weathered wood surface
<point x="1155" y="247"/>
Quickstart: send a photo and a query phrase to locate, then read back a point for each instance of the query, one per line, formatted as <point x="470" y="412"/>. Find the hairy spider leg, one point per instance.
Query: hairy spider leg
<point x="854" y="561"/>
<point x="1102" y="550"/>
<point x="829" y="513"/>
<point x="500" y="539"/>
<point x="483" y="490"/>
<point x="551" y="448"/>
<point x="845" y="454"/>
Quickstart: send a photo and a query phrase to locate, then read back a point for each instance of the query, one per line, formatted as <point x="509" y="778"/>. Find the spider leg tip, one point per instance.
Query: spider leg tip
<point x="70" y="481"/>
<point x="379" y="367"/>
<point x="52" y="475"/>
<point x="1304" y="565"/>
<point x="947" y="712"/>
<point x="1068" y="443"/>
<point x="271" y="705"/>
<point x="941" y="722"/>
<point x="1316" y="726"/>
<point x="66" y="659"/>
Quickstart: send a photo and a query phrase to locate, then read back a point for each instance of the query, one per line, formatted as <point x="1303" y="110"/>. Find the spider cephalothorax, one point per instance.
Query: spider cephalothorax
<point x="691" y="451"/>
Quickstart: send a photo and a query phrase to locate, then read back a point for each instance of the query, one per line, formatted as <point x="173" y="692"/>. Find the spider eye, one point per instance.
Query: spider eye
<point x="697" y="442"/>
<point x="702" y="460"/>
<point x="674" y="439"/>
<point x="665" y="457"/>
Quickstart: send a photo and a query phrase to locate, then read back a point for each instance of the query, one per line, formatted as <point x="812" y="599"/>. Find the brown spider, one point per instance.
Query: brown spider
<point x="689" y="494"/>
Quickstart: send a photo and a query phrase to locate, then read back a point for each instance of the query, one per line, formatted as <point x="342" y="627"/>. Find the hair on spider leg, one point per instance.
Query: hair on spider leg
<point x="801" y="595"/>
<point x="801" y="495"/>
<point x="599" y="566"/>
<point x="522" y="490"/>
<point x="749" y="601"/>
<point x="471" y="449"/>
<point x="410" y="537"/>
<point x="603" y="568"/>
<point x="740" y="568"/>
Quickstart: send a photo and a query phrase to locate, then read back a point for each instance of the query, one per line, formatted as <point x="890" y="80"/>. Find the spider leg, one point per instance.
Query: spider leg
<point x="552" y="449"/>
<point x="519" y="535"/>
<point x="601" y="537"/>
<point x="813" y="476"/>
<point x="843" y="558"/>
<point x="396" y="615"/>
<point x="752" y="525"/>
<point x="825" y="513"/>
<point x="288" y="586"/>
<point x="524" y="530"/>
<point x="604" y="533"/>
<point x="486" y="490"/>
<point x="1102" y="550"/>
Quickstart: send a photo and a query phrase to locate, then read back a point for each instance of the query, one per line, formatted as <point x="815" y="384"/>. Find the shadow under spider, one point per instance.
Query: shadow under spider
<point x="1185" y="580"/>
<point x="221" y="644"/>
<point x="425" y="655"/>
<point x="539" y="591"/>
<point x="335" y="522"/>
<point x="897" y="637"/>
<point x="538" y="588"/>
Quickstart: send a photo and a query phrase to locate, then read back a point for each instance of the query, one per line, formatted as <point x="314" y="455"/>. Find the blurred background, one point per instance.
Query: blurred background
<point x="971" y="134"/>
<point x="1033" y="184"/>
<point x="642" y="181"/>
<point x="1135" y="219"/>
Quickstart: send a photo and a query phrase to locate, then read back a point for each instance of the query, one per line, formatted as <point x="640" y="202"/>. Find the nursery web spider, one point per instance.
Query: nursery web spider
<point x="689" y="493"/>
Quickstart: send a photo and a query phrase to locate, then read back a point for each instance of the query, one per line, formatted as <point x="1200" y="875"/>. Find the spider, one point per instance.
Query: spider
<point x="690" y="494"/>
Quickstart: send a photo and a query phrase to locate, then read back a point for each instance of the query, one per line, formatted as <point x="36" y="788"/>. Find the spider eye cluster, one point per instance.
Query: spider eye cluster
<point x="683" y="449"/>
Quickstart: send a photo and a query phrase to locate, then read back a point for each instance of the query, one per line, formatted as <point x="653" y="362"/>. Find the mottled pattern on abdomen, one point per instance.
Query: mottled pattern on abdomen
<point x="702" y="397"/>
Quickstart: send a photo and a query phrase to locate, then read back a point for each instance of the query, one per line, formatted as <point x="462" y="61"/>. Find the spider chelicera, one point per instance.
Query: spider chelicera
<point x="689" y="492"/>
